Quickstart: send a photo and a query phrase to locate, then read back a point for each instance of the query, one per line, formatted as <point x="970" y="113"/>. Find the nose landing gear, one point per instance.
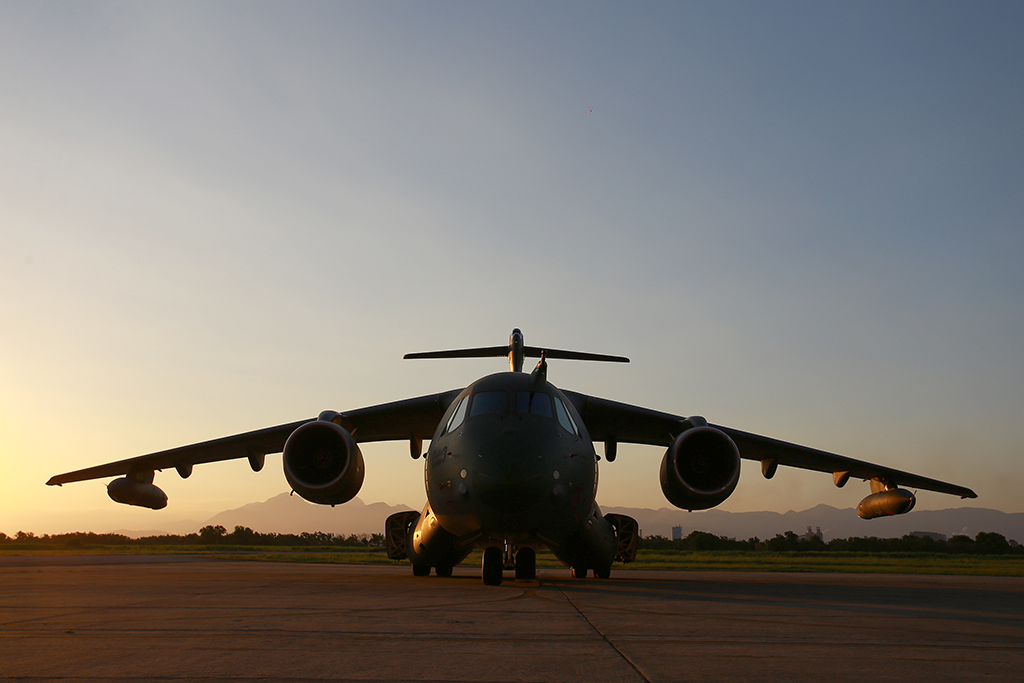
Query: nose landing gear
<point x="492" y="566"/>
<point x="526" y="564"/>
<point x="496" y="559"/>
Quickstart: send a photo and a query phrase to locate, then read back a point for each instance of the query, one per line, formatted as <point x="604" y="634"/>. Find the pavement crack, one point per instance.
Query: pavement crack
<point x="632" y="664"/>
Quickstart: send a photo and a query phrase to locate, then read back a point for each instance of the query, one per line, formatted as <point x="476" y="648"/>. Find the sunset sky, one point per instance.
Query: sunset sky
<point x="797" y="219"/>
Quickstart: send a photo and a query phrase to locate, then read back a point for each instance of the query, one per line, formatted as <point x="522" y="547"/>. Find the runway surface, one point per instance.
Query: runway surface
<point x="165" y="618"/>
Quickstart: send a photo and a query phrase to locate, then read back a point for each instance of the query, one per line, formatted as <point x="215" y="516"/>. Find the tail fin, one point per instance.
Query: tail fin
<point x="516" y="351"/>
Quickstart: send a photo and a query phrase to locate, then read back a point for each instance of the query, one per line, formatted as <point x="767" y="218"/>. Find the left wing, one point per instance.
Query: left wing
<point x="252" y="445"/>
<point x="414" y="418"/>
<point x="611" y="421"/>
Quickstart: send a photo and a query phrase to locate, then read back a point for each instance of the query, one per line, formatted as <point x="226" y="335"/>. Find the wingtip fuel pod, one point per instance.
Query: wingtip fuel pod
<point x="885" y="501"/>
<point x="137" y="489"/>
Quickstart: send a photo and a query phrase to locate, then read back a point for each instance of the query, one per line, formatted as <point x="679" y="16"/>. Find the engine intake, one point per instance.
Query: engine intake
<point x="700" y="469"/>
<point x="323" y="464"/>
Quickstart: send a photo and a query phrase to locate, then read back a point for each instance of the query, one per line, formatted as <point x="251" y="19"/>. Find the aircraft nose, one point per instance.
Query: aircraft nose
<point x="508" y="476"/>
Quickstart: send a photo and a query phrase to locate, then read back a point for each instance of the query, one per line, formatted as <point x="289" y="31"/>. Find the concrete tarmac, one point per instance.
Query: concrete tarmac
<point x="159" y="618"/>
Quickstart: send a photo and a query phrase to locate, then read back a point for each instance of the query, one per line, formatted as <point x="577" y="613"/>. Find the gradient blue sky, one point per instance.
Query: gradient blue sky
<point x="798" y="219"/>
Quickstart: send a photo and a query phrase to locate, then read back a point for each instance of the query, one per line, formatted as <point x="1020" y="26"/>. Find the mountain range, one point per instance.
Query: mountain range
<point x="285" y="513"/>
<point x="833" y="522"/>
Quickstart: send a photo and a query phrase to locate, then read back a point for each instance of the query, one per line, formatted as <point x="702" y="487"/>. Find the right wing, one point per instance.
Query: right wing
<point x="414" y="418"/>
<point x="621" y="422"/>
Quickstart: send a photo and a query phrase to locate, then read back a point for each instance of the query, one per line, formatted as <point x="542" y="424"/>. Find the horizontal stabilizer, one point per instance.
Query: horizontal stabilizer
<point x="483" y="352"/>
<point x="516" y="350"/>
<point x="535" y="352"/>
<point x="528" y="351"/>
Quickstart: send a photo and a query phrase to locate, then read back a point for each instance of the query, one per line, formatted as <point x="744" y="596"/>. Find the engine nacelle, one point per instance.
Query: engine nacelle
<point x="133" y="492"/>
<point x="323" y="464"/>
<point x="886" y="503"/>
<point x="700" y="469"/>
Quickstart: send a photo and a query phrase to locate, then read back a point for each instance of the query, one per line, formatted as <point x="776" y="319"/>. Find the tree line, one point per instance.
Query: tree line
<point x="208" y="535"/>
<point x="985" y="543"/>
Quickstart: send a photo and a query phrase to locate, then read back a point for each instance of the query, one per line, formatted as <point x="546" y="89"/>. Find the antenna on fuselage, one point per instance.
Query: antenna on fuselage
<point x="516" y="352"/>
<point x="540" y="373"/>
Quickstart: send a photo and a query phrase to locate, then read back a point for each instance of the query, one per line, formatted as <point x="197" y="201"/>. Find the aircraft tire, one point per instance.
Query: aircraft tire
<point x="492" y="566"/>
<point x="526" y="564"/>
<point x="421" y="570"/>
<point x="443" y="570"/>
<point x="579" y="572"/>
<point x="603" y="572"/>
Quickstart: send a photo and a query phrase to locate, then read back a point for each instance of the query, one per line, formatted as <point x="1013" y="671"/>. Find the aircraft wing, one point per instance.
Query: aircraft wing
<point x="261" y="441"/>
<point x="612" y="421"/>
<point x="411" y="418"/>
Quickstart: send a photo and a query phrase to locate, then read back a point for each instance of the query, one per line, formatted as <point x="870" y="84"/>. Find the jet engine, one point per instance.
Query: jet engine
<point x="701" y="468"/>
<point x="323" y="464"/>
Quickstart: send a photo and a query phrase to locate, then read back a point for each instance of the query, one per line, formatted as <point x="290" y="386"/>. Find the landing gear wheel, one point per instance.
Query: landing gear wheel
<point x="579" y="572"/>
<point x="421" y="570"/>
<point x="443" y="570"/>
<point x="526" y="564"/>
<point x="603" y="572"/>
<point x="492" y="566"/>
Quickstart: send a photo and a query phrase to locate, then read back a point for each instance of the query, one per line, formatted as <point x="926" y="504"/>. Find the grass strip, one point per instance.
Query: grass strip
<point x="673" y="560"/>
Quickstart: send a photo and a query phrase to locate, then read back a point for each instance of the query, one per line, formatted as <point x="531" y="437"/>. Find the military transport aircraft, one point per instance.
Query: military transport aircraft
<point x="511" y="467"/>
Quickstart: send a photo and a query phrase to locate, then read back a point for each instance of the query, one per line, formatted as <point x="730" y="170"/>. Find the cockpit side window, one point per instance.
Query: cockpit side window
<point x="533" y="402"/>
<point x="564" y="418"/>
<point x="458" y="416"/>
<point x="485" y="402"/>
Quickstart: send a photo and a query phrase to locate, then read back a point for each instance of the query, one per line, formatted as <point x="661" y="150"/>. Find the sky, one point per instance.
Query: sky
<point x="797" y="219"/>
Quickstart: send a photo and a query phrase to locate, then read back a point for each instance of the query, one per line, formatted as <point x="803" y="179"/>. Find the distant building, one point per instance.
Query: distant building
<point x="813" y="535"/>
<point x="929" y="534"/>
<point x="677" y="533"/>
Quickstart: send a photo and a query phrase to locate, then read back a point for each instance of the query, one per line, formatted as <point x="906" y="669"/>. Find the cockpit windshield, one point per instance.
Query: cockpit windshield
<point x="525" y="403"/>
<point x="534" y="403"/>
<point x="458" y="416"/>
<point x="565" y="419"/>
<point x="486" y="402"/>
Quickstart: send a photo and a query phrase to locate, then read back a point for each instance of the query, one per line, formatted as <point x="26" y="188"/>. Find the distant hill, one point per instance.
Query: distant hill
<point x="288" y="514"/>
<point x="834" y="523"/>
<point x="285" y="514"/>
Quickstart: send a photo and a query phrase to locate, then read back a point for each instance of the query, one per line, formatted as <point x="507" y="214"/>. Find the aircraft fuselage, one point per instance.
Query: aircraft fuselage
<point x="511" y="465"/>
